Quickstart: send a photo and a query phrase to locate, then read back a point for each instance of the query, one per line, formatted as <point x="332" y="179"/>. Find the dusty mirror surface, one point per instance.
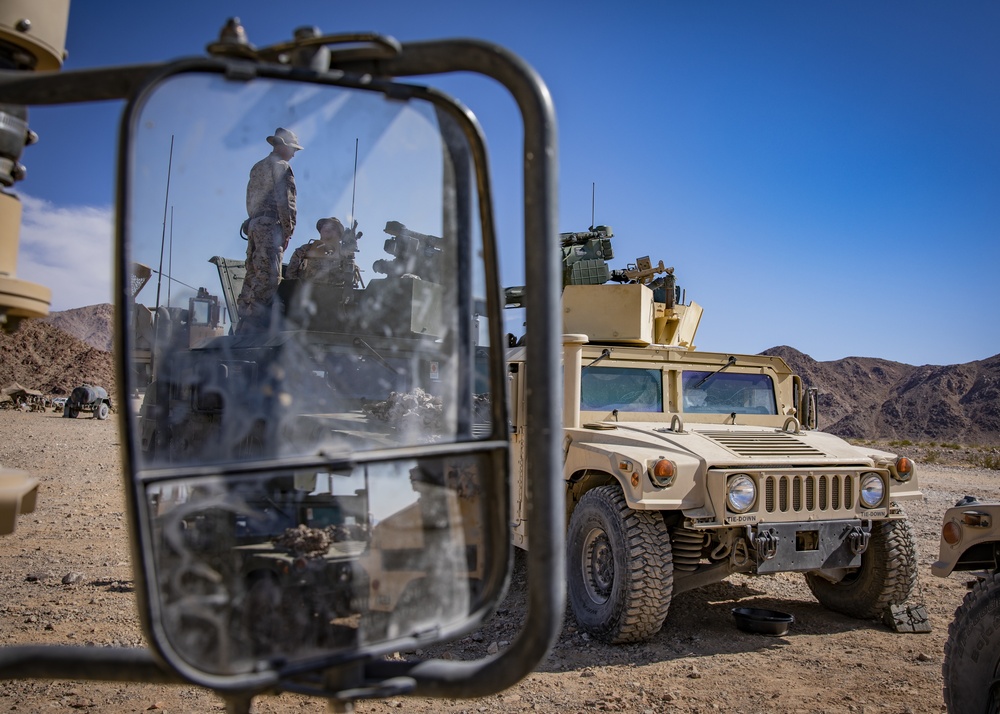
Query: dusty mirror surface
<point x="303" y="563"/>
<point x="308" y="312"/>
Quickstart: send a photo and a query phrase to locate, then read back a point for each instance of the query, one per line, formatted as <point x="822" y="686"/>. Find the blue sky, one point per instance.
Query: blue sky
<point x="821" y="175"/>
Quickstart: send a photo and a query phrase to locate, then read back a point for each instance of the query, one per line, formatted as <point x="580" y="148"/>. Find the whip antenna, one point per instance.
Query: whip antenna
<point x="593" y="200"/>
<point x="354" y="189"/>
<point x="166" y="201"/>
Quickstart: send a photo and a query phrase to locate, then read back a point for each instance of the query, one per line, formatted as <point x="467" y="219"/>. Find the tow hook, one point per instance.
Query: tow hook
<point x="766" y="544"/>
<point x="858" y="539"/>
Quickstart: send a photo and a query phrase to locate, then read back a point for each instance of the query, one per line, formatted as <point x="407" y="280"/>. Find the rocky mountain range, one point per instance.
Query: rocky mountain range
<point x="866" y="397"/>
<point x="60" y="352"/>
<point x="859" y="397"/>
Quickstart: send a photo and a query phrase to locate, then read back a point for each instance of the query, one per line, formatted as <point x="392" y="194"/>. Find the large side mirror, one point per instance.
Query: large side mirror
<point x="319" y="476"/>
<point x="325" y="478"/>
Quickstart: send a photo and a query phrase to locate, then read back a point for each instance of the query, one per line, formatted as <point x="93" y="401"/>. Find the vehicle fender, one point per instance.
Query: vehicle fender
<point x="977" y="526"/>
<point x="589" y="464"/>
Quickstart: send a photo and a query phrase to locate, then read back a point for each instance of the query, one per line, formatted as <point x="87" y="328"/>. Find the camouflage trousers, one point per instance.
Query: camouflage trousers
<point x="265" y="250"/>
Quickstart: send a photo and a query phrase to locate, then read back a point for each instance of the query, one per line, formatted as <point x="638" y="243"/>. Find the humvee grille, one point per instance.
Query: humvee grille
<point x="808" y="492"/>
<point x="762" y="444"/>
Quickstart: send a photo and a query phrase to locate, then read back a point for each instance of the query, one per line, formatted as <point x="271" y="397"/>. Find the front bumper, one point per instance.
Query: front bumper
<point x="810" y="545"/>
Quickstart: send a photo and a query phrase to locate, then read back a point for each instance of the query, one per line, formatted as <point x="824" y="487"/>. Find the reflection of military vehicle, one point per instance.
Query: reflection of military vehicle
<point x="683" y="467"/>
<point x="193" y="327"/>
<point x="304" y="565"/>
<point x="292" y="554"/>
<point x="970" y="541"/>
<point x="362" y="343"/>
<point x="88" y="398"/>
<point x="399" y="565"/>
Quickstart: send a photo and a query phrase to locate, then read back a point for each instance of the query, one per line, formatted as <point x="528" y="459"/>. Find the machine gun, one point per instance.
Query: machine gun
<point x="585" y="256"/>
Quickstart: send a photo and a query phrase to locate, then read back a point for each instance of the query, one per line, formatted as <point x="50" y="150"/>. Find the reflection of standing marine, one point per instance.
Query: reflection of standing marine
<point x="271" y="211"/>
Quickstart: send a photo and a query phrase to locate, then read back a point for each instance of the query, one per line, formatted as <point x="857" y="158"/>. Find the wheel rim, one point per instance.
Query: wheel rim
<point x="598" y="565"/>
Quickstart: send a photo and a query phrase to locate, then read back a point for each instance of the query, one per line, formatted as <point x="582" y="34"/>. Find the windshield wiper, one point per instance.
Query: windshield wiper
<point x="605" y="353"/>
<point x="730" y="363"/>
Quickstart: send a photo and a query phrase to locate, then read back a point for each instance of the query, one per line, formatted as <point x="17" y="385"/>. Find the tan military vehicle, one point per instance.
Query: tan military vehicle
<point x="970" y="541"/>
<point x="682" y="467"/>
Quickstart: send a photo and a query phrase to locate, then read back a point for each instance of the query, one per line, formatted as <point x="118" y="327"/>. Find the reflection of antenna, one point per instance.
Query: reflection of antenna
<point x="354" y="189"/>
<point x="170" y="253"/>
<point x="163" y="237"/>
<point x="172" y="279"/>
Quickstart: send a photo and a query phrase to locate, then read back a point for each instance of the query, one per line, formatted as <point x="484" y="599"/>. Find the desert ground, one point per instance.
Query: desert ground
<point x="65" y="578"/>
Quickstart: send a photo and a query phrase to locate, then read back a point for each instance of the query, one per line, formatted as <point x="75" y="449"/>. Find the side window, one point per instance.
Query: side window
<point x="622" y="388"/>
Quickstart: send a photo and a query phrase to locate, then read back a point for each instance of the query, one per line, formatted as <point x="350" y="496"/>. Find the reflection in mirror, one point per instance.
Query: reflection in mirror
<point x="318" y="326"/>
<point x="307" y="563"/>
<point x="320" y="299"/>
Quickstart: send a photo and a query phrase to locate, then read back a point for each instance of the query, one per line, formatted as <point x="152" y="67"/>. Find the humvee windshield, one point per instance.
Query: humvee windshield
<point x="622" y="388"/>
<point x="727" y="393"/>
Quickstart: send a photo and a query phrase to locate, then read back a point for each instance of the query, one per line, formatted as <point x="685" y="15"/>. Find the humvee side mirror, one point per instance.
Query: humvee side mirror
<point x="327" y="482"/>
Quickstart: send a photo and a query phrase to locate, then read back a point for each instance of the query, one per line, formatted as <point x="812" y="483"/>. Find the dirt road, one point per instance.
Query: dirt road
<point x="699" y="662"/>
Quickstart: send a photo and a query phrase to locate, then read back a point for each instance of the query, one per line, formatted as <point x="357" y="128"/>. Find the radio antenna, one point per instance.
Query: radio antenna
<point x="354" y="189"/>
<point x="593" y="200"/>
<point x="166" y="202"/>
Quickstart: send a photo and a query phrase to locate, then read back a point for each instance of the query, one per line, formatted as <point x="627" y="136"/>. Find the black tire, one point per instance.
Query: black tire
<point x="620" y="568"/>
<point x="70" y="413"/>
<point x="887" y="575"/>
<point x="101" y="411"/>
<point x="972" y="653"/>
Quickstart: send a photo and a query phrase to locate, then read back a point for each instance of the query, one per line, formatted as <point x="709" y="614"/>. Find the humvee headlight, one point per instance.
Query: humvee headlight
<point x="951" y="533"/>
<point x="904" y="469"/>
<point x="741" y="493"/>
<point x="872" y="490"/>
<point x="662" y="472"/>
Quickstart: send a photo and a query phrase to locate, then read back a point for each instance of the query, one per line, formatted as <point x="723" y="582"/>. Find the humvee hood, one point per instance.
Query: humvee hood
<point x="720" y="445"/>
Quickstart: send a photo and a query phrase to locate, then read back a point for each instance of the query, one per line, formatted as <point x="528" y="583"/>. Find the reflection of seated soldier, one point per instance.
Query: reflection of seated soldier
<point x="327" y="260"/>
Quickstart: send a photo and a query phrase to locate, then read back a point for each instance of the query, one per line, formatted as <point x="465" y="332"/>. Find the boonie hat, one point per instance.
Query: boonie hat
<point x="284" y="137"/>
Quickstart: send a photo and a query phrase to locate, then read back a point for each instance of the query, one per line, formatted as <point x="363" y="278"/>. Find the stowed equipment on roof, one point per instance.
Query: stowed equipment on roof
<point x="646" y="306"/>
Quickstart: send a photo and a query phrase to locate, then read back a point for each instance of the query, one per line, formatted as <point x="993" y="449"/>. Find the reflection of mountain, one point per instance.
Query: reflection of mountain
<point x="63" y="351"/>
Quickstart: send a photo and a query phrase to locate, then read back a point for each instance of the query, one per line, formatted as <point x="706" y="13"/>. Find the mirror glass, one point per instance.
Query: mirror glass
<point x="307" y="323"/>
<point x="304" y="563"/>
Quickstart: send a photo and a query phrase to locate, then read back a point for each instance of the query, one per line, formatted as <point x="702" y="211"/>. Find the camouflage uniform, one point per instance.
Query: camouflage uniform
<point x="312" y="262"/>
<point x="296" y="264"/>
<point x="271" y="207"/>
<point x="324" y="260"/>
